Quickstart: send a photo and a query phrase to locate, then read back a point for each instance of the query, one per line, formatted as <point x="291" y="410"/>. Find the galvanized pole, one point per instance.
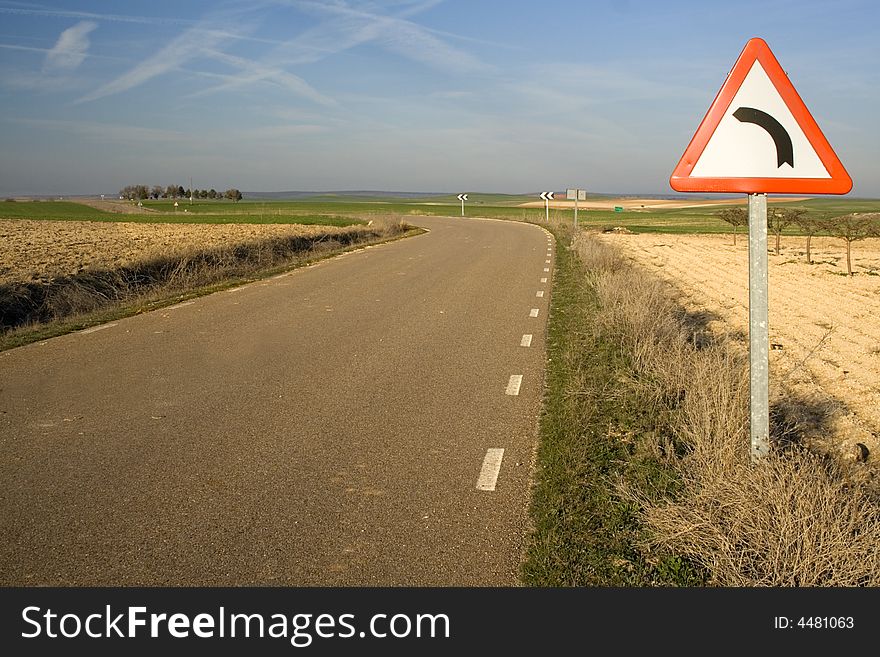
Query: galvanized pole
<point x="547" y="210"/>
<point x="462" y="207"/>
<point x="576" y="208"/>
<point x="759" y="334"/>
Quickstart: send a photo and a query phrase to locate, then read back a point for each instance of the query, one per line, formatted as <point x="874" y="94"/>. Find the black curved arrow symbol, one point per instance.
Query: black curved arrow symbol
<point x="784" y="149"/>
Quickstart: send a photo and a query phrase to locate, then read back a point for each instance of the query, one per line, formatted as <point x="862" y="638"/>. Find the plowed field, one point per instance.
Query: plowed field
<point x="42" y="250"/>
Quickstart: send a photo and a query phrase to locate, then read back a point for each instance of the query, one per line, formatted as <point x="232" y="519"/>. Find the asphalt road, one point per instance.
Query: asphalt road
<point x="326" y="427"/>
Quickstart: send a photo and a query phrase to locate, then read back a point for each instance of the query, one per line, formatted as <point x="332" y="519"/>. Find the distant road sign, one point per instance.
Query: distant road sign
<point x="547" y="196"/>
<point x="462" y="197"/>
<point x="759" y="137"/>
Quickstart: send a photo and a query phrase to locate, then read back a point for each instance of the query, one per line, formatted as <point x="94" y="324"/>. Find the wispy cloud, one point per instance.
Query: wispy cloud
<point x="253" y="71"/>
<point x="342" y="25"/>
<point x="39" y="82"/>
<point x="85" y="15"/>
<point x="207" y="41"/>
<point x="108" y="132"/>
<point x="71" y="48"/>
<point x="348" y="25"/>
<point x="188" y="45"/>
<point x="11" y="46"/>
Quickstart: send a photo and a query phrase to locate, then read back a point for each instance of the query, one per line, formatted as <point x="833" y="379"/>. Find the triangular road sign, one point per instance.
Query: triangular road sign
<point x="759" y="137"/>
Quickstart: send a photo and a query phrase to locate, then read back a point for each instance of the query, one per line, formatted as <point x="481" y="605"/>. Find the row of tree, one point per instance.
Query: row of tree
<point x="144" y="192"/>
<point x="848" y="227"/>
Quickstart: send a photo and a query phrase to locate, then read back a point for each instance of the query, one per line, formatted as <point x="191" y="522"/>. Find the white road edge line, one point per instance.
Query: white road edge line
<point x="491" y="467"/>
<point x="180" y="305"/>
<point x="539" y="293"/>
<point x="96" y="328"/>
<point x="526" y="340"/>
<point x="533" y="312"/>
<point x="543" y="280"/>
<point x="546" y="268"/>
<point x="514" y="384"/>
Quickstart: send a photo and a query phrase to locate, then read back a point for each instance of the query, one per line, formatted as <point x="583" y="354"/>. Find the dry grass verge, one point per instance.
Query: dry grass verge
<point x="795" y="519"/>
<point x="28" y="308"/>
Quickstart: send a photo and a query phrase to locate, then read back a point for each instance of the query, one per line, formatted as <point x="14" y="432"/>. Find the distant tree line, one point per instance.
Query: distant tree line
<point x="144" y="192"/>
<point x="848" y="227"/>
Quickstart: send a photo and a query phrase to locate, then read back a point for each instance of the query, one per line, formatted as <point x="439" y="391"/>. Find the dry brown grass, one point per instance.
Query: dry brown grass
<point x="794" y="519"/>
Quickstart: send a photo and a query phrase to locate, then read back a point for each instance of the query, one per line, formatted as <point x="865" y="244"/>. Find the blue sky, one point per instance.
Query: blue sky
<point x="405" y="95"/>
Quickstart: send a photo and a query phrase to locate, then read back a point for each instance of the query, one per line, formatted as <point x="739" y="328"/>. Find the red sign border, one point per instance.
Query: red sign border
<point x="757" y="49"/>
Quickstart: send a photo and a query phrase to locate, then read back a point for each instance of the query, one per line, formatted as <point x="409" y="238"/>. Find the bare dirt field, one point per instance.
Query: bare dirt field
<point x="824" y="325"/>
<point x="123" y="207"/>
<point x="42" y="250"/>
<point x="649" y="203"/>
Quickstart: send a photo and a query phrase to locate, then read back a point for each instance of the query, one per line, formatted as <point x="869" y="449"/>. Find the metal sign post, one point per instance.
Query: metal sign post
<point x="759" y="334"/>
<point x="576" y="195"/>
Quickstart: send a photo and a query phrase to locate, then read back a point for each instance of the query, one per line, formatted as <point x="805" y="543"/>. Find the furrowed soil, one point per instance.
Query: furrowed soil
<point x="824" y="325"/>
<point x="33" y="250"/>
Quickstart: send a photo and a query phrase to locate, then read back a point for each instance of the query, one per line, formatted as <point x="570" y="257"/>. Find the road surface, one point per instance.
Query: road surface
<point x="339" y="425"/>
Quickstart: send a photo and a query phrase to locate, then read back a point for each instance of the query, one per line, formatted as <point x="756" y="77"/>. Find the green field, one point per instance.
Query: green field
<point x="346" y="209"/>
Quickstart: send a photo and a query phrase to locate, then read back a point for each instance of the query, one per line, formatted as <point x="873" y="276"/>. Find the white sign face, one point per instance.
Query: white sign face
<point x="582" y="195"/>
<point x="571" y="194"/>
<point x="758" y="137"/>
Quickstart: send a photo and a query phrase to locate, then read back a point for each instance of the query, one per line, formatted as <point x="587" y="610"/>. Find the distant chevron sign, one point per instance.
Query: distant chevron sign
<point x="462" y="197"/>
<point x="547" y="196"/>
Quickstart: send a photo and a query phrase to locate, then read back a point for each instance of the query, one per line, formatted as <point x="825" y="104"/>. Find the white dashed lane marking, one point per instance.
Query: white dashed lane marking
<point x="543" y="280"/>
<point x="539" y="293"/>
<point x="514" y="384"/>
<point x="533" y="312"/>
<point x="526" y="340"/>
<point x="491" y="467"/>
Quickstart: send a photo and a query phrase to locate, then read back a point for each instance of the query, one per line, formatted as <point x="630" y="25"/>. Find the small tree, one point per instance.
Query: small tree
<point x="778" y="219"/>
<point x="852" y="227"/>
<point x="735" y="217"/>
<point x="233" y="194"/>
<point x="810" y="226"/>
